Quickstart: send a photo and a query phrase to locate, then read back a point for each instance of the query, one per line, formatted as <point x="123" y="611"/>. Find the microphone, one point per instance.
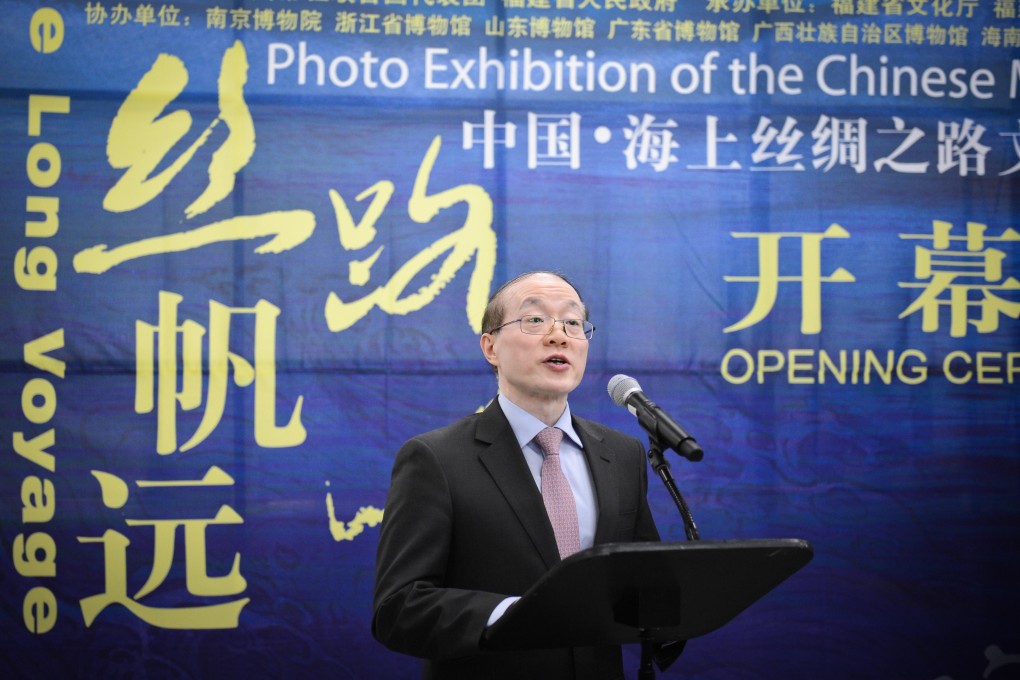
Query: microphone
<point x="626" y="392"/>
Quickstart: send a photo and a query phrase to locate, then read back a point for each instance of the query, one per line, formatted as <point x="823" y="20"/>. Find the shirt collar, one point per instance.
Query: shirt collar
<point x="526" y="426"/>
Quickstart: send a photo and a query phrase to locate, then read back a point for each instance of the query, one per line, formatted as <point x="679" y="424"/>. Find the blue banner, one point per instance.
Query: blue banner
<point x="250" y="246"/>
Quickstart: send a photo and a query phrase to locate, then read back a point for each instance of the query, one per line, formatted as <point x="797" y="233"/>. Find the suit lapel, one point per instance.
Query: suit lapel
<point x="505" y="463"/>
<point x="602" y="463"/>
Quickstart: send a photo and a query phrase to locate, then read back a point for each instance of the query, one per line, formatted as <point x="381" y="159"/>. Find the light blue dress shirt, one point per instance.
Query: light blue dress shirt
<point x="575" y="468"/>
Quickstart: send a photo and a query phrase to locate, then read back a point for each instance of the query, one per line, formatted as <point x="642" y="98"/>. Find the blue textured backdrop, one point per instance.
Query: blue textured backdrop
<point x="909" y="493"/>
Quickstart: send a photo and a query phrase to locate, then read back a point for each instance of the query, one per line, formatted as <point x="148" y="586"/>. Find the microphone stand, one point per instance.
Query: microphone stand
<point x="661" y="467"/>
<point x="646" y="670"/>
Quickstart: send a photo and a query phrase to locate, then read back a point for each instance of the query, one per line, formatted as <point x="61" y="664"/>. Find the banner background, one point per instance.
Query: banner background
<point x="907" y="487"/>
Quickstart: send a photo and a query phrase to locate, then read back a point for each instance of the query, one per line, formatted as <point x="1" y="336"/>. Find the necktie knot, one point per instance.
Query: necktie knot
<point x="549" y="439"/>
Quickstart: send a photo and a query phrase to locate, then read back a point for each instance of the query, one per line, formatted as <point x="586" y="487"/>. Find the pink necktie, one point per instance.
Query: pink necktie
<point x="556" y="493"/>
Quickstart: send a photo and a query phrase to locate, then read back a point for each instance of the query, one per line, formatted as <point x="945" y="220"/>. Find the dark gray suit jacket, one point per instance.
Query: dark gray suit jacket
<point x="465" y="527"/>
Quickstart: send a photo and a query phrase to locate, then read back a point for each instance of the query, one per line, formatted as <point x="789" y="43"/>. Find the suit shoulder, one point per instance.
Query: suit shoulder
<point x="441" y="438"/>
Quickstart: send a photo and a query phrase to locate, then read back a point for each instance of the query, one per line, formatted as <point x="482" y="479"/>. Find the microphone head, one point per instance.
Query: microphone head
<point x="622" y="386"/>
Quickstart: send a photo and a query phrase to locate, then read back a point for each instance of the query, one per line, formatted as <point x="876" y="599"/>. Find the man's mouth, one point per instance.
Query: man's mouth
<point x="558" y="361"/>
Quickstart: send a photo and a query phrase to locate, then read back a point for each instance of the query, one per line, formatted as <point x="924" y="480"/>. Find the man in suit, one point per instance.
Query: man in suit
<point x="466" y="531"/>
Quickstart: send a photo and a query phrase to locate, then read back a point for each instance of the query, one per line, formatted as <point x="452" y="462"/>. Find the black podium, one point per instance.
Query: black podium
<point x="636" y="592"/>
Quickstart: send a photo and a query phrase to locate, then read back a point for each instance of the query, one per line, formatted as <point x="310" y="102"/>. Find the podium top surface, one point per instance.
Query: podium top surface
<point x="618" y="592"/>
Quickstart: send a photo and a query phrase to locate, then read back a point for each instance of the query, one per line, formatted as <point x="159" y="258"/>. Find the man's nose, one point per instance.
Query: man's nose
<point x="558" y="332"/>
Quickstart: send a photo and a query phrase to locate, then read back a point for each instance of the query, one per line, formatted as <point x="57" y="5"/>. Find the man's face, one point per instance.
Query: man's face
<point x="538" y="370"/>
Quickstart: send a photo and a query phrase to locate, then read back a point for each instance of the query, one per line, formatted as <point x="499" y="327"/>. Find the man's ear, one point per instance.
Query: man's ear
<point x="488" y="344"/>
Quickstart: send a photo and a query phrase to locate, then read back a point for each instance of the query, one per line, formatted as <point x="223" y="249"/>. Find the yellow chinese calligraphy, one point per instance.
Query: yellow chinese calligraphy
<point x="810" y="278"/>
<point x="367" y="516"/>
<point x="140" y="140"/>
<point x="474" y="239"/>
<point x="162" y="340"/>
<point x="958" y="274"/>
<point x="198" y="581"/>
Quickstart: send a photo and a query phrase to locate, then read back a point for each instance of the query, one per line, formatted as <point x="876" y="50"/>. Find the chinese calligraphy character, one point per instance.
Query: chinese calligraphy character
<point x="960" y="147"/>
<point x="198" y="581"/>
<point x="712" y="140"/>
<point x="912" y="136"/>
<point x="765" y="135"/>
<point x="810" y="278"/>
<point x="1016" y="151"/>
<point x="840" y="142"/>
<point x="163" y="366"/>
<point x="489" y="139"/>
<point x="474" y="239"/>
<point x="649" y="142"/>
<point x="959" y="274"/>
<point x="367" y="516"/>
<point x="140" y="141"/>
<point x="554" y="140"/>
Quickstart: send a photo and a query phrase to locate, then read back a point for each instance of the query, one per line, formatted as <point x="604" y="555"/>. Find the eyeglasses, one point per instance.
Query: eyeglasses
<point x="540" y="324"/>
